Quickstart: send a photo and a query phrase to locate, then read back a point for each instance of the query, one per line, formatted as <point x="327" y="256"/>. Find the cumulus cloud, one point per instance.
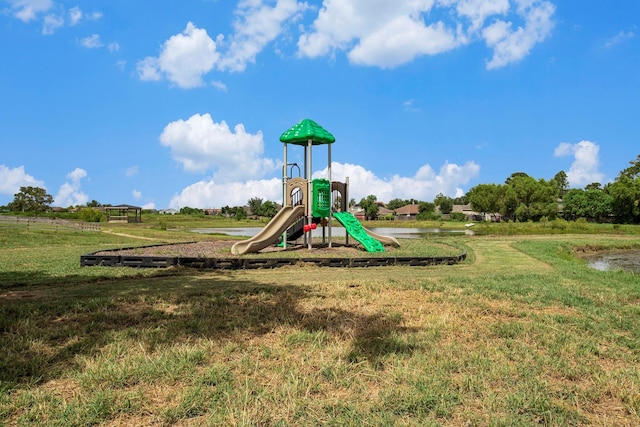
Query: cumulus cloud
<point x="70" y="193"/>
<point x="511" y="45"/>
<point x="401" y="40"/>
<point x="28" y="10"/>
<point x="136" y="194"/>
<point x="425" y="184"/>
<point x="199" y="144"/>
<point x="75" y="15"/>
<point x="185" y="58"/>
<point x="584" y="169"/>
<point x="477" y="11"/>
<point x="53" y="14"/>
<point x="92" y="42"/>
<point x="11" y="179"/>
<point x="389" y="34"/>
<point x="377" y="33"/>
<point x="210" y="193"/>
<point x="257" y="25"/>
<point x="51" y="23"/>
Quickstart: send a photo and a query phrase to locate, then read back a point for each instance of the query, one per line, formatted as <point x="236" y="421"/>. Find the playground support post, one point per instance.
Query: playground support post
<point x="310" y="191"/>
<point x="285" y="196"/>
<point x="346" y="204"/>
<point x="330" y="193"/>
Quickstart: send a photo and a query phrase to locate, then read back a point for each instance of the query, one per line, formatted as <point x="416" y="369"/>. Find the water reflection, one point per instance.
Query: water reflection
<point x="398" y="233"/>
<point x="619" y="260"/>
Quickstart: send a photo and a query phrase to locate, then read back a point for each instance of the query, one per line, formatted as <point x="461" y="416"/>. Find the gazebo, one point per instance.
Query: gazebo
<point x="123" y="213"/>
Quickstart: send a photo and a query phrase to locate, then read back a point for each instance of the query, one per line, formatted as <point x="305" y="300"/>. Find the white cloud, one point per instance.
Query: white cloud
<point x="400" y="41"/>
<point x="199" y="144"/>
<point x="51" y="23"/>
<point x="424" y="185"/>
<point x="131" y="171"/>
<point x="75" y="15"/>
<point x="70" y="193"/>
<point x="378" y="33"/>
<point x="149" y="69"/>
<point x="11" y="179"/>
<point x="113" y="47"/>
<point x="92" y="42"/>
<point x="258" y="24"/>
<point x="619" y="38"/>
<point x="136" y="194"/>
<point x="478" y="10"/>
<point x="584" y="169"/>
<point x="27" y="10"/>
<point x="210" y="194"/>
<point x="511" y="45"/>
<point x="185" y="58"/>
<point x="388" y="34"/>
<point x="55" y="14"/>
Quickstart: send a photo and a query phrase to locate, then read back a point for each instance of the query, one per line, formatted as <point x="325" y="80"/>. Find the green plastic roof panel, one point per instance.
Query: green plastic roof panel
<point x="306" y="130"/>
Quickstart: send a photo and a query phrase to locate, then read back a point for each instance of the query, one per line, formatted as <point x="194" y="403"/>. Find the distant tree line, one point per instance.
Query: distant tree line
<point x="520" y="198"/>
<point x="523" y="198"/>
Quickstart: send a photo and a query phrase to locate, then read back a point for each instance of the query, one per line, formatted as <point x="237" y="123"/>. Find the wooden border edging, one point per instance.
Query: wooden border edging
<point x="92" y="259"/>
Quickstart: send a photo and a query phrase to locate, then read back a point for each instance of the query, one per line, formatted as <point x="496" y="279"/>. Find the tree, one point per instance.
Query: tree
<point x="626" y="199"/>
<point x="397" y="203"/>
<point x="561" y="182"/>
<point x="516" y="175"/>
<point x="31" y="199"/>
<point x="268" y="209"/>
<point x="590" y="204"/>
<point x="370" y="206"/>
<point x="632" y="171"/>
<point x="186" y="210"/>
<point x="426" y="211"/>
<point x="255" y="204"/>
<point x="593" y="186"/>
<point x="527" y="199"/>
<point x="445" y="203"/>
<point x="487" y="198"/>
<point x="239" y="213"/>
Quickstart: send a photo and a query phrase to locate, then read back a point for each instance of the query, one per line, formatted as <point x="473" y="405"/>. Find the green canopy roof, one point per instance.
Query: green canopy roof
<point x="306" y="130"/>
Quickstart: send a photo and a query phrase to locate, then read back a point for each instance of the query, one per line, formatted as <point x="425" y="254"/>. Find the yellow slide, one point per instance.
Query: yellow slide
<point x="271" y="232"/>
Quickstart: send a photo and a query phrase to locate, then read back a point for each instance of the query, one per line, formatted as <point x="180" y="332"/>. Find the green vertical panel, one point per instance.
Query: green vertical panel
<point x="321" y="198"/>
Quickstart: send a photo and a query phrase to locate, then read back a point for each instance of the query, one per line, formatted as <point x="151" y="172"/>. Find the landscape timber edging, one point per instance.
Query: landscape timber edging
<point x="157" y="261"/>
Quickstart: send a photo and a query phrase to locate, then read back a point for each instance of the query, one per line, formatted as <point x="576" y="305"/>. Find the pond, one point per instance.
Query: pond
<point x="398" y="233"/>
<point x="628" y="260"/>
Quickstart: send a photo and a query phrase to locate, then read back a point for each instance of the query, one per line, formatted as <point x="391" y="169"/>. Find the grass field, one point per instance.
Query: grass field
<point x="521" y="333"/>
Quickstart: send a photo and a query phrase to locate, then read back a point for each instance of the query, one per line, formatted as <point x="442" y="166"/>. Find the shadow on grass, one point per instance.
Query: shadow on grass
<point x="42" y="329"/>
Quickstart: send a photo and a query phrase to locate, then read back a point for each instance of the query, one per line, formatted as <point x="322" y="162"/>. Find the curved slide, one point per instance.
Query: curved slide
<point x="371" y="241"/>
<point x="271" y="232"/>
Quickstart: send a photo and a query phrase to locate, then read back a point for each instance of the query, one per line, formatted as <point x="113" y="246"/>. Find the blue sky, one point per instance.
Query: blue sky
<point x="169" y="104"/>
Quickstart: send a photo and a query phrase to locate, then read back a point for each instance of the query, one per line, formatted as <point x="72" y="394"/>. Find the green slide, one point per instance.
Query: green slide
<point x="358" y="232"/>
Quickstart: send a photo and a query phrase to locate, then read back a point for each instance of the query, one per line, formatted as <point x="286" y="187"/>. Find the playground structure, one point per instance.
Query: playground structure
<point x="309" y="203"/>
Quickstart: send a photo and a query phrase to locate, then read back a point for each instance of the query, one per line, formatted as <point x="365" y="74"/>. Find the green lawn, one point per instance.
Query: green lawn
<point x="521" y="333"/>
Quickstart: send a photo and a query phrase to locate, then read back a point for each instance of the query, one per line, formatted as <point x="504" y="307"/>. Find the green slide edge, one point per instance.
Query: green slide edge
<point x="357" y="231"/>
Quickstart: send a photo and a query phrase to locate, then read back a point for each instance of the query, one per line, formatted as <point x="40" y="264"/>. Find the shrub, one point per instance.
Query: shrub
<point x="458" y="216"/>
<point x="90" y="215"/>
